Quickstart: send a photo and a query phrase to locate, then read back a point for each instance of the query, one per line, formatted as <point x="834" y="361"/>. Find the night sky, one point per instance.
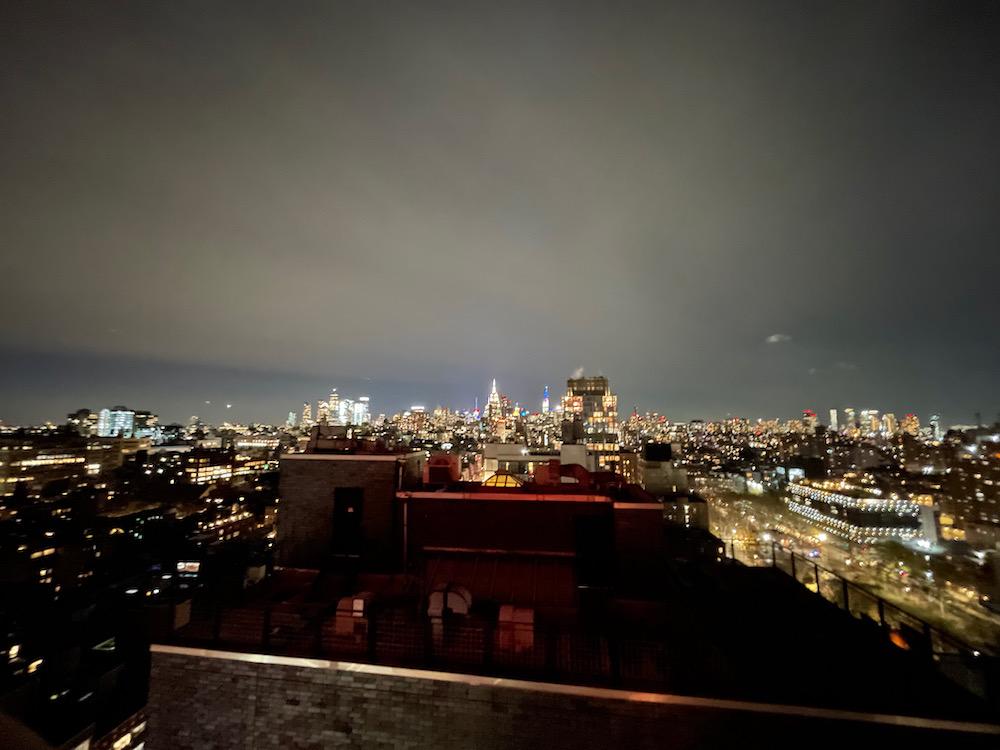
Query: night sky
<point x="742" y="208"/>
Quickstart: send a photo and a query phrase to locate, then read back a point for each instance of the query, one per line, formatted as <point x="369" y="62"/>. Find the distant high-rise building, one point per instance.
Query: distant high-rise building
<point x="591" y="400"/>
<point x="418" y="417"/>
<point x="849" y="422"/>
<point x="345" y="411"/>
<point x="361" y="413"/>
<point x="910" y="425"/>
<point x="889" y="424"/>
<point x="834" y="427"/>
<point x="116" y="422"/>
<point x="545" y="400"/>
<point x="809" y="420"/>
<point x="307" y="414"/>
<point x="292" y="419"/>
<point x="323" y="412"/>
<point x="146" y="425"/>
<point x="936" y="427"/>
<point x="869" y="421"/>
<point x="334" y="405"/>
<point x="494" y="405"/>
<point x="84" y="421"/>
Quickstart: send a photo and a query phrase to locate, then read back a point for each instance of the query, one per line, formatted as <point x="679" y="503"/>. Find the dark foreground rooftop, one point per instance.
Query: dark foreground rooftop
<point x="726" y="632"/>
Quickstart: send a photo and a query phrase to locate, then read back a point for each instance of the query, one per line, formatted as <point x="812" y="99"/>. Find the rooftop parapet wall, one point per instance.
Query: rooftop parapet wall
<point x="217" y="699"/>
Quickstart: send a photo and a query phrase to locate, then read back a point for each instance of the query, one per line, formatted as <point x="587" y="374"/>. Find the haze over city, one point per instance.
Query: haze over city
<point x="731" y="208"/>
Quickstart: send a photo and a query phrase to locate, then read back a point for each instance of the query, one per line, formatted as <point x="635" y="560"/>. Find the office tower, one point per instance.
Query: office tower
<point x="292" y="419"/>
<point x="307" y="414"/>
<point x="834" y="427"/>
<point x="869" y="421"/>
<point x="345" y="411"/>
<point x="849" y="423"/>
<point x="936" y="427"/>
<point x="418" y="418"/>
<point x="493" y="403"/>
<point x="360" y="413"/>
<point x="809" y="420"/>
<point x="84" y="421"/>
<point x="545" y="400"/>
<point x="889" y="424"/>
<point x="334" y="404"/>
<point x="590" y="400"/>
<point x="118" y="421"/>
<point x="910" y="425"/>
<point x="323" y="413"/>
<point x="146" y="425"/>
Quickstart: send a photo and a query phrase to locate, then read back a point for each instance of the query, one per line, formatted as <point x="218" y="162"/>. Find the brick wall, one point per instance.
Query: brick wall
<point x="213" y="700"/>
<point x="305" y="521"/>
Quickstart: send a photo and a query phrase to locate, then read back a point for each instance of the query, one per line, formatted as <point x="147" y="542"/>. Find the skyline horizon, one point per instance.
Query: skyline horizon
<point x="261" y="397"/>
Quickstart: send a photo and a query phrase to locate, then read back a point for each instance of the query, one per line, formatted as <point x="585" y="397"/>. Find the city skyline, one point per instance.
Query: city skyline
<point x="485" y="374"/>
<point x="221" y="408"/>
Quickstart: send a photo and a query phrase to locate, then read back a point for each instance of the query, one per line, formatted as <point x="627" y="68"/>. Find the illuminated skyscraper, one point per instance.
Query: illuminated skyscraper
<point x="869" y="421"/>
<point x="889" y="424"/>
<point x="809" y="420"/>
<point x="360" y="413"/>
<point x="334" y="403"/>
<point x="592" y="401"/>
<point x="323" y="413"/>
<point x="936" y="427"/>
<point x="833" y="421"/>
<point x="345" y="411"/>
<point x="910" y="425"/>
<point x="494" y="407"/>
<point x="545" y="400"/>
<point x="849" y="423"/>
<point x="292" y="419"/>
<point x="307" y="414"/>
<point x="115" y="422"/>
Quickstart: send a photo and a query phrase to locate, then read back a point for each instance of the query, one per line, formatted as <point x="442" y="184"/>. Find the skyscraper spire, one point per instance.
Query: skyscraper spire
<point x="493" y="402"/>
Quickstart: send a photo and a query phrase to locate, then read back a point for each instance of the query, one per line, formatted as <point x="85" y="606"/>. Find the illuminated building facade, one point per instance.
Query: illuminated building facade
<point x="591" y="400"/>
<point x="870" y="422"/>
<point x="889" y="423"/>
<point x="35" y="461"/>
<point x="115" y="422"/>
<point x="854" y="514"/>
<point x="323" y="412"/>
<point x="494" y="406"/>
<point x="361" y="411"/>
<point x="333" y="403"/>
<point x="345" y="411"/>
<point x="910" y="425"/>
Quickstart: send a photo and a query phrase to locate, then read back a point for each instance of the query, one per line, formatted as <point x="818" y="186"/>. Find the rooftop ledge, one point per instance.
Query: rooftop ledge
<point x="580" y="691"/>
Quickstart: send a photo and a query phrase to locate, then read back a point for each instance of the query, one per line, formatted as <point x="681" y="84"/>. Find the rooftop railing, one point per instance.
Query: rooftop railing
<point x="971" y="667"/>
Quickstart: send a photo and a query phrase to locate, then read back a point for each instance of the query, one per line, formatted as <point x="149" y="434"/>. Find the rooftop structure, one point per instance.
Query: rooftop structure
<point x="567" y="579"/>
